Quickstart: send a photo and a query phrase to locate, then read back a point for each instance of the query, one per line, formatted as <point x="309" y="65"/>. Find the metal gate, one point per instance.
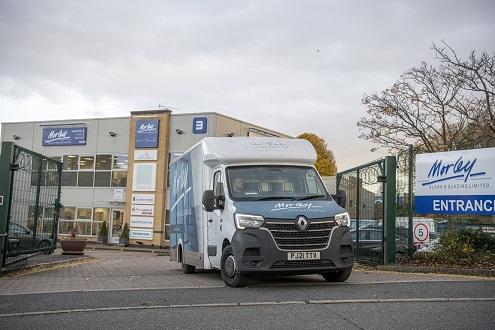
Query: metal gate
<point x="371" y="203"/>
<point x="29" y="205"/>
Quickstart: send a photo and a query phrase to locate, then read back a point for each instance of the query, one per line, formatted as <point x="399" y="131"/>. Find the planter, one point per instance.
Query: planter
<point x="72" y="246"/>
<point x="102" y="239"/>
<point x="123" y="241"/>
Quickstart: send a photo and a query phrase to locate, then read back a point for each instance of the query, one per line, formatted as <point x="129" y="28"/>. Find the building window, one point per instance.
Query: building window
<point x="70" y="162"/>
<point x="102" y="179"/>
<point x="94" y="170"/>
<point x="103" y="162"/>
<point x="86" y="179"/>
<point x="120" y="162"/>
<point x="69" y="178"/>
<point x="119" y="179"/>
<point x="87" y="163"/>
<point x="86" y="220"/>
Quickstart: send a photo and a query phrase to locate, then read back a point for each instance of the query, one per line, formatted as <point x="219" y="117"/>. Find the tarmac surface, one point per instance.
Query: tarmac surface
<point x="107" y="267"/>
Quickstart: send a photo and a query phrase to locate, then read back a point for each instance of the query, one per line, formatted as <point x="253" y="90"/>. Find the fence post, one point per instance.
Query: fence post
<point x="389" y="216"/>
<point x="6" y="158"/>
<point x="410" y="180"/>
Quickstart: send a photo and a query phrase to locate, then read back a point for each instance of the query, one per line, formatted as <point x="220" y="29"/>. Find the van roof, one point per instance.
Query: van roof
<point x="248" y="150"/>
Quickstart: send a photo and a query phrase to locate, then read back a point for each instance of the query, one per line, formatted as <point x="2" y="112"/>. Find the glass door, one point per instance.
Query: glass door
<point x="116" y="225"/>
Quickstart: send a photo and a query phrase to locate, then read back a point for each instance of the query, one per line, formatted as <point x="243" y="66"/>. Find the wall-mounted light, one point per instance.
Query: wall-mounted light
<point x="16" y="137"/>
<point x="112" y="134"/>
<point x="179" y="131"/>
<point x="230" y="134"/>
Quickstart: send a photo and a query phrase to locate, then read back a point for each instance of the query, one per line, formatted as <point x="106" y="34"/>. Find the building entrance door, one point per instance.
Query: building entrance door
<point x="116" y="225"/>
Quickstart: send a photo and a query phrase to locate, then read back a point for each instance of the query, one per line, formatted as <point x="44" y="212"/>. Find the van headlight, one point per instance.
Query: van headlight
<point x="243" y="221"/>
<point x="342" y="219"/>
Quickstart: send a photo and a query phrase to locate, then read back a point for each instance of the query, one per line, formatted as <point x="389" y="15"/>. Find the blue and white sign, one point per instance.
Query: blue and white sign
<point x="64" y="136"/>
<point x="199" y="125"/>
<point x="146" y="133"/>
<point x="457" y="182"/>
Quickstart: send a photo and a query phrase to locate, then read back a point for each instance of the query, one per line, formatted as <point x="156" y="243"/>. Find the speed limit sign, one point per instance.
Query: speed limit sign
<point x="421" y="232"/>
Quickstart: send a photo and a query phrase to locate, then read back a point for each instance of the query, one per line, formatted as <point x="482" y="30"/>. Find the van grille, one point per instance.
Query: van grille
<point x="287" y="235"/>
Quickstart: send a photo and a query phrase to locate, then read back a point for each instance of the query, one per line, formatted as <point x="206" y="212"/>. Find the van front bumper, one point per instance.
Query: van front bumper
<point x="256" y="252"/>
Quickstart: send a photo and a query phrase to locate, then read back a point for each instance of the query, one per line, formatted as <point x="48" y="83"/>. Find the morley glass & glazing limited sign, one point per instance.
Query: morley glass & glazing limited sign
<point x="456" y="182"/>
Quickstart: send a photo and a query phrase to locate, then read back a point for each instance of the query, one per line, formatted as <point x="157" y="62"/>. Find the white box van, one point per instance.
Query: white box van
<point x="256" y="206"/>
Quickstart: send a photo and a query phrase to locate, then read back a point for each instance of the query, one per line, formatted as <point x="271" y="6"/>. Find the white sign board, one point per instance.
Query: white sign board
<point x="144" y="222"/>
<point x="144" y="177"/>
<point x="456" y="182"/>
<point x="148" y="210"/>
<point x="146" y="234"/>
<point x="145" y="154"/>
<point x="143" y="198"/>
<point x="118" y="193"/>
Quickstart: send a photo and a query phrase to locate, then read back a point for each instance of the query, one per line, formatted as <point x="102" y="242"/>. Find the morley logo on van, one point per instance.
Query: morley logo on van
<point x="296" y="207"/>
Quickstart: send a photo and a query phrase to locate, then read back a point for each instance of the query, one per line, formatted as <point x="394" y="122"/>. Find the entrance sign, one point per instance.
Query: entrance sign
<point x="456" y="182"/>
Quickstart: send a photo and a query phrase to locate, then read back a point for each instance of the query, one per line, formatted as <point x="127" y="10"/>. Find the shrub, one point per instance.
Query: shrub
<point x="125" y="232"/>
<point x="103" y="229"/>
<point x="465" y="247"/>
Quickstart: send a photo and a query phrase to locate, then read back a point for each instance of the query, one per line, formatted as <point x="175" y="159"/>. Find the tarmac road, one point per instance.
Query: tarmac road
<point x="137" y="290"/>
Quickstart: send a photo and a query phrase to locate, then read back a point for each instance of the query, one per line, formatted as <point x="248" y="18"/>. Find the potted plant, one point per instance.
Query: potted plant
<point x="124" y="236"/>
<point x="73" y="244"/>
<point x="103" y="234"/>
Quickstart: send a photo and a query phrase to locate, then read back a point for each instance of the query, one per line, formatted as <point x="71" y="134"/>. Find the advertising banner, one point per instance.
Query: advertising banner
<point x="456" y="182"/>
<point x="64" y="136"/>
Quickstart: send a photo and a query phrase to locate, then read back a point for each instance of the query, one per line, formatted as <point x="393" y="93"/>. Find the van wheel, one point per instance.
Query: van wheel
<point x="229" y="271"/>
<point x="186" y="269"/>
<point x="338" y="276"/>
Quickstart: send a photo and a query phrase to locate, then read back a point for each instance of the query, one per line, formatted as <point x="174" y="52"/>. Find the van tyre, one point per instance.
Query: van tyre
<point x="187" y="269"/>
<point x="229" y="271"/>
<point x="338" y="276"/>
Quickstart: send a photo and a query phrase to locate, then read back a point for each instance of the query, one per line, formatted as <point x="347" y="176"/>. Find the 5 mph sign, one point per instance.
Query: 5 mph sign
<point x="421" y="232"/>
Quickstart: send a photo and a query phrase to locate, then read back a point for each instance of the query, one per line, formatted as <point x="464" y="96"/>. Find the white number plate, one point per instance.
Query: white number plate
<point x="303" y="255"/>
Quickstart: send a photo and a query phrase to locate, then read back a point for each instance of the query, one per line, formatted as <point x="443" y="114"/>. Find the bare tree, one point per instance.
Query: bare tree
<point x="477" y="79"/>
<point x="434" y="109"/>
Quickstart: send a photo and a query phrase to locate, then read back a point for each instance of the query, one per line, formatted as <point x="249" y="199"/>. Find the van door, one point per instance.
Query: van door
<point x="215" y="223"/>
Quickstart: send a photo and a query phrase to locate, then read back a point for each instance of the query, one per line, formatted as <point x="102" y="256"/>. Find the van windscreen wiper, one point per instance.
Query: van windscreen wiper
<point x="311" y="197"/>
<point x="276" y="198"/>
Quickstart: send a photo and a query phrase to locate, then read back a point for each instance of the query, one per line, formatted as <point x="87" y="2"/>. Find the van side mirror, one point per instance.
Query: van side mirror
<point x="208" y="201"/>
<point x="211" y="202"/>
<point x="340" y="198"/>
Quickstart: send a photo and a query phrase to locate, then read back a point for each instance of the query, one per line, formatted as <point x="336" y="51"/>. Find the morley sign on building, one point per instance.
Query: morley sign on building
<point x="456" y="182"/>
<point x="64" y="136"/>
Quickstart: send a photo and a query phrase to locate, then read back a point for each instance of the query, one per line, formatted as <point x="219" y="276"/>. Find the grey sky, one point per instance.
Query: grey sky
<point x="292" y="66"/>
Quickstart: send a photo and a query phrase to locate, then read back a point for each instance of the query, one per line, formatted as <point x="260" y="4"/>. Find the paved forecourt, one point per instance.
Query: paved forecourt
<point x="126" y="270"/>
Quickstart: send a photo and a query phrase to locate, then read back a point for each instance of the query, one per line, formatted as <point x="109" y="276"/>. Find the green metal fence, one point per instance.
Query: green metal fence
<point x="30" y="191"/>
<point x="370" y="191"/>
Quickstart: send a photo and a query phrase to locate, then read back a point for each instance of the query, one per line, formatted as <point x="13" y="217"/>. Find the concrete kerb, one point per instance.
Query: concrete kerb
<point x="438" y="270"/>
